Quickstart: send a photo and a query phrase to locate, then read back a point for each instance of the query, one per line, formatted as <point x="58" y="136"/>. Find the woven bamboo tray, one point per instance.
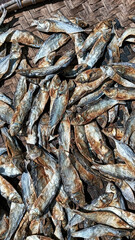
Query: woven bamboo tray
<point x="92" y="11"/>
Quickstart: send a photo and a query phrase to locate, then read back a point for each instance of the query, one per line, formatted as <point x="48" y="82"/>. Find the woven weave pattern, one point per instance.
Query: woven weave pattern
<point x="92" y="11"/>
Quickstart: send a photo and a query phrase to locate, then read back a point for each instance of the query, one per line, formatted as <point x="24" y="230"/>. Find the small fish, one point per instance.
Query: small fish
<point x="15" y="57"/>
<point x="2" y="150"/>
<point x="54" y="42"/>
<point x="94" y="111"/>
<point x="99" y="231"/>
<point x="97" y="143"/>
<point x="52" y="25"/>
<point x="94" y="35"/>
<point x="120" y="93"/>
<point x="16" y="214"/>
<point x="98" y="49"/>
<point x="5" y="99"/>
<point x="21" y="88"/>
<point x="70" y="178"/>
<point x="132" y="18"/>
<point x="78" y="39"/>
<point x="90" y="98"/>
<point x="25" y="37"/>
<point x="8" y="191"/>
<point x="21" y="111"/>
<point x="83" y="89"/>
<point x="6" y="112"/>
<point x="105" y="217"/>
<point x="63" y="62"/>
<point x="2" y="18"/>
<point x="54" y="86"/>
<point x="113" y="49"/>
<point x="89" y="75"/>
<point x="38" y="105"/>
<point x="46" y="197"/>
<point x="126" y="71"/>
<point x="82" y="143"/>
<point x="29" y="195"/>
<point x="132" y="142"/>
<point x="59" y="106"/>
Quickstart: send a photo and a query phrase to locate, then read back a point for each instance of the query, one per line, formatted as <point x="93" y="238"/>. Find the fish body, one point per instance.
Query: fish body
<point x="94" y="111"/>
<point x="6" y="112"/>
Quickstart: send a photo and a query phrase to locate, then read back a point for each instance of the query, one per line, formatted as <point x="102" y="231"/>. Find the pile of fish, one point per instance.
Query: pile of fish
<point x="69" y="132"/>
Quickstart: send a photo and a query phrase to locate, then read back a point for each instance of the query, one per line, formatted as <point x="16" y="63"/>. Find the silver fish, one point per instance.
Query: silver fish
<point x="99" y="231"/>
<point x="2" y="18"/>
<point x="25" y="37"/>
<point x="4" y="64"/>
<point x="54" y="42"/>
<point x="21" y="111"/>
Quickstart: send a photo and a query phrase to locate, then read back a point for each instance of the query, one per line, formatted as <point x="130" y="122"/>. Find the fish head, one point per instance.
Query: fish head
<point x="110" y="92"/>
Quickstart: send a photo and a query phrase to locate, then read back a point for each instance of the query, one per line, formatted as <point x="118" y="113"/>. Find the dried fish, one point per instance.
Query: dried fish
<point x="25" y="37"/>
<point x="21" y="111"/>
<point x="59" y="106"/>
<point x="94" y="111"/>
<point x="63" y="62"/>
<point x="51" y="25"/>
<point x="99" y="231"/>
<point x="4" y="13"/>
<point x="6" y="112"/>
<point x="54" y="42"/>
<point x="97" y="143"/>
<point x="5" y="99"/>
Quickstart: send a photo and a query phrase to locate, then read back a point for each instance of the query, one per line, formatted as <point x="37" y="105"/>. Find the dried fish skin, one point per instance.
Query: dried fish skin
<point x="21" y="111"/>
<point x="89" y="75"/>
<point x="128" y="32"/>
<point x="38" y="237"/>
<point x="54" y="42"/>
<point x="6" y="112"/>
<point x="29" y="195"/>
<point x="4" y="35"/>
<point x="120" y="93"/>
<point x="22" y="228"/>
<point x="32" y="137"/>
<point x="115" y="131"/>
<point x="51" y="25"/>
<point x="65" y="133"/>
<point x="9" y="169"/>
<point x="8" y="192"/>
<point x="4" y="225"/>
<point x="59" y="106"/>
<point x="42" y="130"/>
<point x="70" y="178"/>
<point x="99" y="231"/>
<point x="26" y="38"/>
<point x="97" y="142"/>
<point x="129" y="128"/>
<point x="94" y="111"/>
<point x="71" y="72"/>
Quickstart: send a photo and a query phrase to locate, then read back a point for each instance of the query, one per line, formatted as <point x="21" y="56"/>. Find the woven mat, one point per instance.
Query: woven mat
<point x="92" y="11"/>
